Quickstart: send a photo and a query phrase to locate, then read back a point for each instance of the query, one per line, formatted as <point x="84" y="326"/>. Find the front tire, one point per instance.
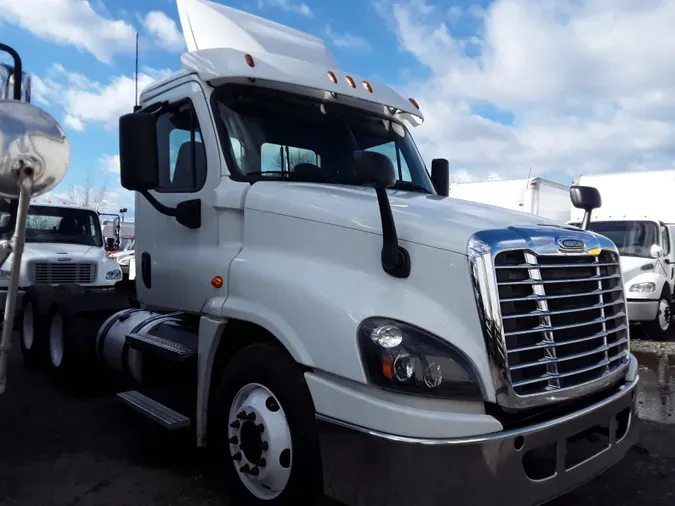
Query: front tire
<point x="661" y="328"/>
<point x="264" y="429"/>
<point x="33" y="324"/>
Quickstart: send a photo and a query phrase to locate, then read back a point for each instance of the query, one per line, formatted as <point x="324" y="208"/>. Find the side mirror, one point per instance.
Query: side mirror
<point x="586" y="198"/>
<point x="109" y="243"/>
<point x="656" y="251"/>
<point x="139" y="165"/>
<point x="440" y="176"/>
<point x="374" y="169"/>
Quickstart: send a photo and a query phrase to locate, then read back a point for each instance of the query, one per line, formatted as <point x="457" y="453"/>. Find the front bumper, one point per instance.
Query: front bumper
<point x="642" y="310"/>
<point x="526" y="466"/>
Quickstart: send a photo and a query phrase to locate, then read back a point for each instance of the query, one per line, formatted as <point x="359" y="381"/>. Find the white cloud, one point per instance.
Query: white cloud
<point x="590" y="86"/>
<point x="72" y="22"/>
<point x="288" y="5"/>
<point x="164" y="29"/>
<point x="110" y="163"/>
<point x="90" y="102"/>
<point x="347" y="40"/>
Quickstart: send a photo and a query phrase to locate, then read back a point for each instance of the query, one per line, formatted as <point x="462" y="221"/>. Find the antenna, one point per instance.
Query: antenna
<point x="136" y="106"/>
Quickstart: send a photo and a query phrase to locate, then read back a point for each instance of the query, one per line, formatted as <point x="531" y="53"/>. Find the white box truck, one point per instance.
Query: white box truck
<point x="323" y="316"/>
<point x="638" y="215"/>
<point x="532" y="195"/>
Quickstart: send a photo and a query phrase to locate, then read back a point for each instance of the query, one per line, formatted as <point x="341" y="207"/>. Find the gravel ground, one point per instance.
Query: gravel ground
<point x="64" y="450"/>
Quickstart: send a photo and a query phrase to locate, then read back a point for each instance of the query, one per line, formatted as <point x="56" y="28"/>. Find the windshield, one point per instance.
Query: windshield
<point x="58" y="225"/>
<point x="632" y="238"/>
<point x="277" y="135"/>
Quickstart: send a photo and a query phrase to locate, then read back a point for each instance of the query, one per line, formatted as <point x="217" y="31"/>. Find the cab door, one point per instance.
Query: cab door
<point x="172" y="260"/>
<point x="668" y="243"/>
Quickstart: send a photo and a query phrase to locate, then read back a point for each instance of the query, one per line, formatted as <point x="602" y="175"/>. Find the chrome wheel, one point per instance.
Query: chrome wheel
<point x="28" y="332"/>
<point x="259" y="439"/>
<point x="56" y="340"/>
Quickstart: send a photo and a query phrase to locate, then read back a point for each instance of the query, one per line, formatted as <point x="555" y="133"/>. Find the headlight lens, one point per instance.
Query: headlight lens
<point x="643" y="287"/>
<point x="400" y="357"/>
<point x="112" y="275"/>
<point x="4" y="275"/>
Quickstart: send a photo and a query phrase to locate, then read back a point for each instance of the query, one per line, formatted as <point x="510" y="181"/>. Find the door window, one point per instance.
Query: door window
<point x="181" y="153"/>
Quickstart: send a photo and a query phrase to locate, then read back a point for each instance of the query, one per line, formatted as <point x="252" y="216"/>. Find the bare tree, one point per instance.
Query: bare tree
<point x="87" y="195"/>
<point x="287" y="158"/>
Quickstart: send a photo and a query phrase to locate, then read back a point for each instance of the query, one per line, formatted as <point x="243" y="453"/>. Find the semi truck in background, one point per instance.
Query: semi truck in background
<point x="339" y="325"/>
<point x="34" y="158"/>
<point x="638" y="215"/>
<point x="538" y="196"/>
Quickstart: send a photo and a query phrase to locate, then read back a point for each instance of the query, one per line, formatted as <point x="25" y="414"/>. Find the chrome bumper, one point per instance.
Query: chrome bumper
<point x="365" y="467"/>
<point x="641" y="310"/>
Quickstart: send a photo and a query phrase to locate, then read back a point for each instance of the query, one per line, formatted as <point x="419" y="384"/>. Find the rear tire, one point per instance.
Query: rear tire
<point x="271" y="454"/>
<point x="661" y="328"/>
<point x="33" y="323"/>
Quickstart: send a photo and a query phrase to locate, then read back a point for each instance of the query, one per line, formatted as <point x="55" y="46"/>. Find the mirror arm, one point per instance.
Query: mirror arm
<point x="188" y="213"/>
<point x="586" y="222"/>
<point x="15" y="245"/>
<point x="395" y="258"/>
<point x="18" y="69"/>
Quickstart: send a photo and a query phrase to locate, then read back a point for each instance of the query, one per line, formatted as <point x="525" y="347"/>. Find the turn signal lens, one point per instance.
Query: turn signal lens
<point x="414" y="102"/>
<point x="217" y="282"/>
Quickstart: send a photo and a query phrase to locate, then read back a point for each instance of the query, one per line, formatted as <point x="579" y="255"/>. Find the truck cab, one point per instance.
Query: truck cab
<point x="636" y="215"/>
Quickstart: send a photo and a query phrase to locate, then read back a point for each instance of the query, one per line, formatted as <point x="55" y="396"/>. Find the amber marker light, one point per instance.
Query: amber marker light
<point x="217" y="282"/>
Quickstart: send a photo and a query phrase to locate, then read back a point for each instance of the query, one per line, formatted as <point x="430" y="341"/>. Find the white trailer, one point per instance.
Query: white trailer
<point x="638" y="215"/>
<point x="323" y="316"/>
<point x="532" y="195"/>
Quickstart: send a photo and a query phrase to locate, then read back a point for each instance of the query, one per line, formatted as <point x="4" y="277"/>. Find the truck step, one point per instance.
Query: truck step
<point x="155" y="345"/>
<point x="155" y="411"/>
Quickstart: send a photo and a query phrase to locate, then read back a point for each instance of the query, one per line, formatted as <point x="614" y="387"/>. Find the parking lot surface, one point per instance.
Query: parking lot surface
<point x="63" y="449"/>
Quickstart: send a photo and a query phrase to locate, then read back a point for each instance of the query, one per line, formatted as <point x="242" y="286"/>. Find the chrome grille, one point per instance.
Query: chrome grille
<point x="563" y="319"/>
<point x="62" y="272"/>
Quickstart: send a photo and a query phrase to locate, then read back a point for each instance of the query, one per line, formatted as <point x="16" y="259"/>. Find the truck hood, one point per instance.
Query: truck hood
<point x="631" y="267"/>
<point x="74" y="251"/>
<point x="431" y="220"/>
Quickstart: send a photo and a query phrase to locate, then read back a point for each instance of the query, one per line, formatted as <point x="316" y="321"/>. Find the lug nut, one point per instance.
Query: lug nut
<point x="235" y="424"/>
<point x="264" y="446"/>
<point x="241" y="415"/>
<point x="260" y="427"/>
<point x="251" y="417"/>
<point x="233" y="440"/>
<point x="236" y="457"/>
<point x="254" y="472"/>
<point x="245" y="469"/>
<point x="262" y="462"/>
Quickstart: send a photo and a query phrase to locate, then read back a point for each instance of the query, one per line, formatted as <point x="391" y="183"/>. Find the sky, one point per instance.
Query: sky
<point x="551" y="88"/>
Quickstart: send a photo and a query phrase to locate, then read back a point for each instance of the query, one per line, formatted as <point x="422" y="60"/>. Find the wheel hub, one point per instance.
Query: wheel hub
<point x="260" y="441"/>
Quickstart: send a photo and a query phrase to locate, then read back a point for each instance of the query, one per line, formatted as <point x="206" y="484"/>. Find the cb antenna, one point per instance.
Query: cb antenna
<point x="136" y="106"/>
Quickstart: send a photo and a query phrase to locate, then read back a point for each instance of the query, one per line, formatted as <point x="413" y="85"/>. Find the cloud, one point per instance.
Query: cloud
<point x="164" y="29"/>
<point x="88" y="102"/>
<point x="71" y="22"/>
<point x="562" y="86"/>
<point x="347" y="40"/>
<point x="110" y="163"/>
<point x="287" y="5"/>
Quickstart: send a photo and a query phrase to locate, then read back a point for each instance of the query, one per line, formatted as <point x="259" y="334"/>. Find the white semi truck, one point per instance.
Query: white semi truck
<point x="337" y="323"/>
<point x="638" y="215"/>
<point x="532" y="195"/>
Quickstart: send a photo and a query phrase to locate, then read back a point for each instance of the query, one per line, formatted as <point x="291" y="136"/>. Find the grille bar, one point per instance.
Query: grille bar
<point x="563" y="319"/>
<point x="573" y="341"/>
<point x="563" y="311"/>
<point x="554" y="281"/>
<point x="563" y="296"/>
<point x="546" y="328"/>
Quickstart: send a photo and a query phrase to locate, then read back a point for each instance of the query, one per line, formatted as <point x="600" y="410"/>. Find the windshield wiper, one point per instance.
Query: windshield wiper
<point x="407" y="185"/>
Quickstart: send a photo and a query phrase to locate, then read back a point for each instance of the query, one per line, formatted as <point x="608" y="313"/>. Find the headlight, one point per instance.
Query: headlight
<point x="4" y="275"/>
<point x="643" y="287"/>
<point x="400" y="357"/>
<point x="112" y="275"/>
